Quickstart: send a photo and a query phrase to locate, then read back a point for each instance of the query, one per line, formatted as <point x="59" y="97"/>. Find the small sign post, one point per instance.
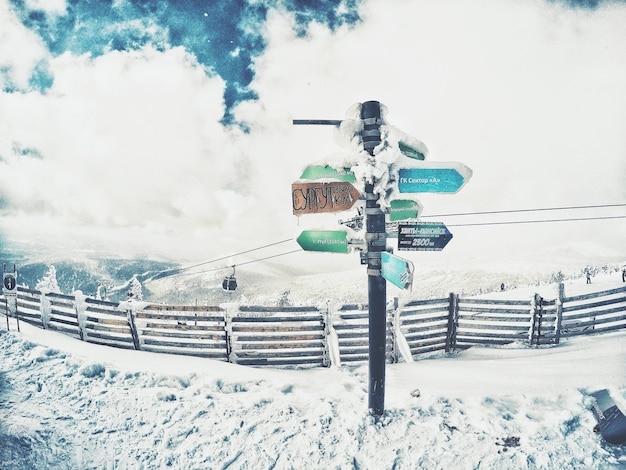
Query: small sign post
<point x="9" y="290"/>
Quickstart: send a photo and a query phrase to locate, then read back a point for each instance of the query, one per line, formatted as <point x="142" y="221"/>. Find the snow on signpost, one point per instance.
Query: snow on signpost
<point x="383" y="163"/>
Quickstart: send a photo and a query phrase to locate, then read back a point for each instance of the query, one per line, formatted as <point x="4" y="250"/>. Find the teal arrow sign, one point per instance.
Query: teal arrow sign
<point x="396" y="270"/>
<point x="317" y="172"/>
<point x="433" y="180"/>
<point x="402" y="209"/>
<point x="331" y="241"/>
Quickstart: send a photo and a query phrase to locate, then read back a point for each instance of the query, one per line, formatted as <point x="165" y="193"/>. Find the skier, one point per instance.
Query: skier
<point x="588" y="274"/>
<point x="624" y="273"/>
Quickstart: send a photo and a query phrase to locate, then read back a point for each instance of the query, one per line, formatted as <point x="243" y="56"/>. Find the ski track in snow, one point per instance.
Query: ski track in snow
<point x="68" y="404"/>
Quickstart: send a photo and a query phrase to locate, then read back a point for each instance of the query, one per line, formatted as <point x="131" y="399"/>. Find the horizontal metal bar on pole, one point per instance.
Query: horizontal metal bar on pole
<point x="323" y="122"/>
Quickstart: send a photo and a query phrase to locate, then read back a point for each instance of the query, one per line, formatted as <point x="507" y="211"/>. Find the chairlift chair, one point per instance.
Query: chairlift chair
<point x="230" y="282"/>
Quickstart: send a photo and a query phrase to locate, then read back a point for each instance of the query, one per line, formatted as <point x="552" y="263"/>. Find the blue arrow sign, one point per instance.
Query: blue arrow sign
<point x="396" y="270"/>
<point x="423" y="236"/>
<point x="430" y="180"/>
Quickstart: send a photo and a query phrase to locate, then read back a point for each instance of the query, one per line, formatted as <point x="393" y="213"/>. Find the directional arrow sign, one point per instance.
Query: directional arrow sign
<point x="332" y="241"/>
<point x="318" y="172"/>
<point x="396" y="270"/>
<point x="410" y="151"/>
<point x="315" y="198"/>
<point x="401" y="209"/>
<point x="423" y="236"/>
<point x="433" y="180"/>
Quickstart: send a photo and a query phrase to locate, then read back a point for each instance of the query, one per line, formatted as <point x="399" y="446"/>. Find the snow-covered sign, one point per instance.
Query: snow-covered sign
<point x="318" y="172"/>
<point x="402" y="209"/>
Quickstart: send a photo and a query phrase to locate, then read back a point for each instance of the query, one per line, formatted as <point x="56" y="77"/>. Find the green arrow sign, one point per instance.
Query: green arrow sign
<point x="396" y="270"/>
<point x="410" y="152"/>
<point x="318" y="172"/>
<point x="402" y="209"/>
<point x="331" y="241"/>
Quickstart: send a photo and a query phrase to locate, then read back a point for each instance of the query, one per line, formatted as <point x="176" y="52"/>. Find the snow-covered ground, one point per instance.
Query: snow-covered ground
<point x="69" y="404"/>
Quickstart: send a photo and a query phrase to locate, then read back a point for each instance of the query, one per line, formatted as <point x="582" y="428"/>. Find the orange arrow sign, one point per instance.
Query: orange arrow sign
<point x="316" y="197"/>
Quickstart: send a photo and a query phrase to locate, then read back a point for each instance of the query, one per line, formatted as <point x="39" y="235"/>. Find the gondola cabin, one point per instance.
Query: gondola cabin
<point x="229" y="283"/>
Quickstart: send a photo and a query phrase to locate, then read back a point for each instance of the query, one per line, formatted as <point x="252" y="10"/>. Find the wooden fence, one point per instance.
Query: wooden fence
<point x="314" y="337"/>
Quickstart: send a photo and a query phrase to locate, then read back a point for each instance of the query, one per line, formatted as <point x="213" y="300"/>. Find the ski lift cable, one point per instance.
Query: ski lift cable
<point x="538" y="221"/>
<point x="512" y="211"/>
<point x="177" y="271"/>
<point x="233" y="266"/>
<point x="235" y="254"/>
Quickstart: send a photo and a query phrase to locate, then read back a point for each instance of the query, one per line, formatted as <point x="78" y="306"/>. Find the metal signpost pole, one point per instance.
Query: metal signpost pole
<point x="376" y="238"/>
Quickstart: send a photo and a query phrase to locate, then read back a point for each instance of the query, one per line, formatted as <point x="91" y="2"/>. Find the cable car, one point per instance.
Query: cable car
<point x="230" y="282"/>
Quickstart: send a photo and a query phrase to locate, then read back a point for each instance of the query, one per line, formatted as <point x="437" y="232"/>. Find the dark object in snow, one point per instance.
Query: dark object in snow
<point x="611" y="421"/>
<point x="416" y="393"/>
<point x="512" y="441"/>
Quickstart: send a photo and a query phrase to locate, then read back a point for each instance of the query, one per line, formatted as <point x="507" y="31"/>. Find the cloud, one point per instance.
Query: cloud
<point x="129" y="147"/>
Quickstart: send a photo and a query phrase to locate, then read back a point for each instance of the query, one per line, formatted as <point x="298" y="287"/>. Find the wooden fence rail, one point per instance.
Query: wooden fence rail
<point x="314" y="337"/>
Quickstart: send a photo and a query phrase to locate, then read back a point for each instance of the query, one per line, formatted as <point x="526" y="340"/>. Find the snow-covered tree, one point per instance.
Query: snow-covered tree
<point x="48" y="283"/>
<point x="135" y="290"/>
<point x="283" y="299"/>
<point x="102" y="291"/>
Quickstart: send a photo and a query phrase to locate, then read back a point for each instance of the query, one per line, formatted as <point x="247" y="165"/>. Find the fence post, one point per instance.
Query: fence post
<point x="80" y="307"/>
<point x="228" y="331"/>
<point x="395" y="328"/>
<point x="327" y="360"/>
<point x="453" y="321"/>
<point x="559" y="313"/>
<point x="44" y="309"/>
<point x="130" y="316"/>
<point x="537" y="314"/>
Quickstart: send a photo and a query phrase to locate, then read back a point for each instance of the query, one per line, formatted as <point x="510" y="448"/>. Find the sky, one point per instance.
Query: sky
<point x="164" y="129"/>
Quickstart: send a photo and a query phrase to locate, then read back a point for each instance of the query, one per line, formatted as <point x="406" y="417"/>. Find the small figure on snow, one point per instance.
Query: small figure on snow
<point x="502" y="287"/>
<point x="588" y="275"/>
<point x="624" y="273"/>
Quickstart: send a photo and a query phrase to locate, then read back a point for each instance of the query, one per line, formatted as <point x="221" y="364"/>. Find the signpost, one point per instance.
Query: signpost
<point x="432" y="180"/>
<point x="423" y="236"/>
<point x="331" y="241"/>
<point x="319" y="197"/>
<point x="396" y="270"/>
<point x="383" y="172"/>
<point x="9" y="290"/>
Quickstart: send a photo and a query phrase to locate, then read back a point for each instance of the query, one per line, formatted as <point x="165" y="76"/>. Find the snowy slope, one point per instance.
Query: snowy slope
<point x="69" y="404"/>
